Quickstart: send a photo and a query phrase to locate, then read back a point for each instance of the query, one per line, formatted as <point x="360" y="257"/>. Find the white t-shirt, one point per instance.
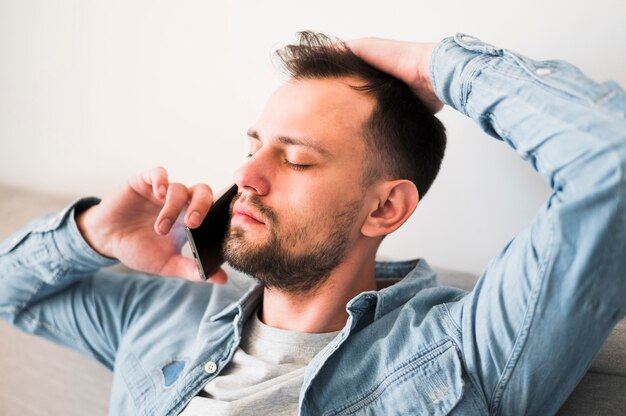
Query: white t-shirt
<point x="264" y="376"/>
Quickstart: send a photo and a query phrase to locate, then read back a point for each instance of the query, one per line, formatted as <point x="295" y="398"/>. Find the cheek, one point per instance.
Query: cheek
<point x="314" y="199"/>
<point x="319" y="211"/>
<point x="301" y="215"/>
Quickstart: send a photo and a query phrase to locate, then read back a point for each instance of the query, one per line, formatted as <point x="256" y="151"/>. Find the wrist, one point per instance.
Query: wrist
<point x="85" y="221"/>
<point x="423" y="86"/>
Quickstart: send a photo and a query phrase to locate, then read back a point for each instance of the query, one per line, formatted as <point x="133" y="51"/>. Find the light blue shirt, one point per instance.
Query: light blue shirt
<point x="517" y="344"/>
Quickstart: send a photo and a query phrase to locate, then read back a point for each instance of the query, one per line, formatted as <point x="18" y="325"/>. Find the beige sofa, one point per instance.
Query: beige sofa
<point x="39" y="378"/>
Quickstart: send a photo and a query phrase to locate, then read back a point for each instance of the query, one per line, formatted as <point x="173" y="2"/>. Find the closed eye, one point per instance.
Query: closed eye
<point x="295" y="166"/>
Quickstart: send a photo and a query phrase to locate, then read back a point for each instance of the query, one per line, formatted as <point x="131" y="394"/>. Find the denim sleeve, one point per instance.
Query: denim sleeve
<point x="46" y="271"/>
<point x="545" y="304"/>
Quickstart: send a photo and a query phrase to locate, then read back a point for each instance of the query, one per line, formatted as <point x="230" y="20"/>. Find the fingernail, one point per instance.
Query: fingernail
<point x="194" y="218"/>
<point x="165" y="225"/>
<point x="162" y="191"/>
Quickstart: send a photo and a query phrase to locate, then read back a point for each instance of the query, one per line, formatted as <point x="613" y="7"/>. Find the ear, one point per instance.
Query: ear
<point x="394" y="202"/>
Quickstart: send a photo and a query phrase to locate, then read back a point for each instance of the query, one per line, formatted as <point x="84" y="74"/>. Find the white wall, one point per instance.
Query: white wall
<point x="92" y="92"/>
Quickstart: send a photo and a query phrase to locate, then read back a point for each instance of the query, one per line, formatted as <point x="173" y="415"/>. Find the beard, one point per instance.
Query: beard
<point x="276" y="266"/>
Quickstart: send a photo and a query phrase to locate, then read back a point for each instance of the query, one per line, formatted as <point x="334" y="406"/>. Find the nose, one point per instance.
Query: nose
<point x="252" y="176"/>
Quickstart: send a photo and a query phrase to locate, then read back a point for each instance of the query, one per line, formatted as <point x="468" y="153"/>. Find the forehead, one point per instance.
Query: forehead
<point x="327" y="111"/>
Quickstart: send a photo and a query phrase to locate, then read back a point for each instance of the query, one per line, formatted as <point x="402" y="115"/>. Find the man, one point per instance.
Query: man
<point x="335" y="165"/>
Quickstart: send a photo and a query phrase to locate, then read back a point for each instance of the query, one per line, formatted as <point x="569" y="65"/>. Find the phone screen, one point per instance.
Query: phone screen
<point x="207" y="240"/>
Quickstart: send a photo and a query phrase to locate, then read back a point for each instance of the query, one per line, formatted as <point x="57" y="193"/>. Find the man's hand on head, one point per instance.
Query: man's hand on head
<point x="407" y="61"/>
<point x="142" y="224"/>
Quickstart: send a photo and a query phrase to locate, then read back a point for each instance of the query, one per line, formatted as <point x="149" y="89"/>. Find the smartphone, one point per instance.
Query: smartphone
<point x="207" y="241"/>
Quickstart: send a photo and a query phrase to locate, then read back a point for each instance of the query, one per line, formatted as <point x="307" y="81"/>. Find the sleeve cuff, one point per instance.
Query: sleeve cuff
<point x="70" y="242"/>
<point x="454" y="63"/>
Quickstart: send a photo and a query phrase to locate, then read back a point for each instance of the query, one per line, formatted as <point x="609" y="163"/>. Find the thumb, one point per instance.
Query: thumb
<point x="219" y="277"/>
<point x="182" y="267"/>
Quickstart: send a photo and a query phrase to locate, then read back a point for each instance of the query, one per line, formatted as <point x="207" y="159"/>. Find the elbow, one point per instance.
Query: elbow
<point x="8" y="312"/>
<point x="606" y="171"/>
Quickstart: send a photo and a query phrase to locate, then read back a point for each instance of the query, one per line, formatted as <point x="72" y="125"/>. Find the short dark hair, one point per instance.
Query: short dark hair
<point x="405" y="139"/>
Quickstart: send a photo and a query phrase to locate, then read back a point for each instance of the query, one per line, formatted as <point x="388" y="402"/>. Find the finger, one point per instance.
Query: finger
<point x="175" y="201"/>
<point x="383" y="54"/>
<point x="201" y="201"/>
<point x="157" y="178"/>
<point x="219" y="277"/>
<point x="182" y="267"/>
<point x="151" y="183"/>
<point x="407" y="61"/>
<point x="368" y="49"/>
<point x="185" y="268"/>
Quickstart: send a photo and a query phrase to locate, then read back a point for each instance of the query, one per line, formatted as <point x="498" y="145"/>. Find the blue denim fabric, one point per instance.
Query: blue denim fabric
<point x="517" y="344"/>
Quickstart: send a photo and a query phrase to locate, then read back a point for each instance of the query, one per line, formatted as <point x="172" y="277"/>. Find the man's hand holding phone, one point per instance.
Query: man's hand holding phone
<point x="141" y="224"/>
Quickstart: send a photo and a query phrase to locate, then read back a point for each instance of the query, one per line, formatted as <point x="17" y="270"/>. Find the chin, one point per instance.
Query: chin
<point x="245" y="237"/>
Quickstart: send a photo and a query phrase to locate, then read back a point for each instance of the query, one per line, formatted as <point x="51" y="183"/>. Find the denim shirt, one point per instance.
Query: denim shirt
<point x="517" y="344"/>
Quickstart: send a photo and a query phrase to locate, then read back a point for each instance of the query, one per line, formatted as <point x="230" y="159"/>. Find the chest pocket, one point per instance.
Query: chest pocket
<point x="431" y="384"/>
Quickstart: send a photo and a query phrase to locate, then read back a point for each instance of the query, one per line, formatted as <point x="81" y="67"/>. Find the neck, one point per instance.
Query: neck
<point x="323" y="310"/>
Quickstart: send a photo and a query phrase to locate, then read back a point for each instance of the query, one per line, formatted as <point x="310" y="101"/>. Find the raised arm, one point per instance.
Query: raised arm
<point x="545" y="304"/>
<point x="47" y="268"/>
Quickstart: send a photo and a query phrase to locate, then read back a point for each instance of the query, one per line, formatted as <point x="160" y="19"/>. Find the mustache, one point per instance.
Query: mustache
<point x="255" y="202"/>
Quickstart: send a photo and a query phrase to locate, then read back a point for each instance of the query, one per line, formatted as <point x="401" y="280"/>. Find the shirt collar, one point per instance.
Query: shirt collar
<point x="412" y="276"/>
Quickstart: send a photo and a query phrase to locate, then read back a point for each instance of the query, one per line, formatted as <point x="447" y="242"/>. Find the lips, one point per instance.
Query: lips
<point x="240" y="209"/>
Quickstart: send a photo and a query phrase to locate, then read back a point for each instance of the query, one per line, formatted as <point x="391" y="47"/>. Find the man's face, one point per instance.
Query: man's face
<point x="301" y="196"/>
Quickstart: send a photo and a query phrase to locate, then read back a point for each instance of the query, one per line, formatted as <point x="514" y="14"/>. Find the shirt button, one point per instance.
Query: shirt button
<point x="543" y="72"/>
<point x="210" y="367"/>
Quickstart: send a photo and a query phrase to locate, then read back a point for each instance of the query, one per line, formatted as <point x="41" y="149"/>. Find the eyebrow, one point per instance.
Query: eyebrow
<point x="293" y="141"/>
